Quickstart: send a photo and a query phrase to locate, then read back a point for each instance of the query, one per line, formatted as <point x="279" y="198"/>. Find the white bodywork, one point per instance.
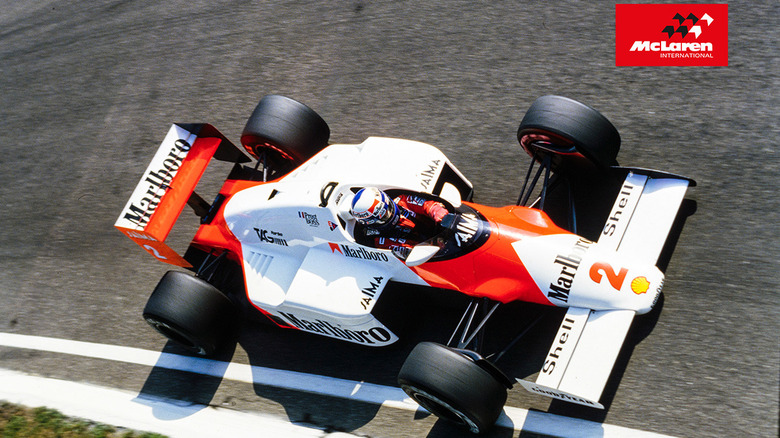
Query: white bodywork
<point x="289" y="250"/>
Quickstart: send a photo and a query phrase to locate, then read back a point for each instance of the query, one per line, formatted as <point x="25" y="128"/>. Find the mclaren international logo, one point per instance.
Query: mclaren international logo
<point x="682" y="29"/>
<point x="671" y="35"/>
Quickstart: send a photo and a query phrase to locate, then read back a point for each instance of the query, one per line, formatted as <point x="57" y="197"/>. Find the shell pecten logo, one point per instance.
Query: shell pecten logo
<point x="640" y="285"/>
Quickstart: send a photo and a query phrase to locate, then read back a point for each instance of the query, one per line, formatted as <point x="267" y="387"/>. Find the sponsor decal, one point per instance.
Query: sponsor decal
<point x="159" y="176"/>
<point x="640" y="285"/>
<point x="658" y="292"/>
<point x="311" y="219"/>
<point x="358" y="253"/>
<point x="550" y="392"/>
<point x="601" y="270"/>
<point x="555" y="352"/>
<point x="332" y="226"/>
<point x="467" y="228"/>
<point x="671" y="34"/>
<point x="620" y="206"/>
<point x="373" y="335"/>
<point x="370" y="292"/>
<point x="569" y="264"/>
<point x="414" y="200"/>
<point x="427" y="175"/>
<point x="137" y="235"/>
<point x="271" y="237"/>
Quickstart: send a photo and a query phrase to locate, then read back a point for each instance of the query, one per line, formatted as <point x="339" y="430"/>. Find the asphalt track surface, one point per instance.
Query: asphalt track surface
<point x="90" y="88"/>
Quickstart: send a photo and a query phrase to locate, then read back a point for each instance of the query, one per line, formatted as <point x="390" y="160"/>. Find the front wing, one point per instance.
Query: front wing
<point x="587" y="343"/>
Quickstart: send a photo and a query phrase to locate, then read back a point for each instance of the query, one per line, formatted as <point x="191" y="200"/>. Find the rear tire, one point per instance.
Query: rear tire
<point x="191" y="312"/>
<point x="287" y="131"/>
<point x="572" y="132"/>
<point x="452" y="386"/>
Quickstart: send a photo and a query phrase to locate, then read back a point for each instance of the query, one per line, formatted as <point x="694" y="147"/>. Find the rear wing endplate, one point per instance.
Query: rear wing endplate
<point x="167" y="184"/>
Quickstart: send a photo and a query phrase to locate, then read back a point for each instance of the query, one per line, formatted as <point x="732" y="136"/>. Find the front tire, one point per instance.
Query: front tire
<point x="453" y="386"/>
<point x="191" y="312"/>
<point x="572" y="132"/>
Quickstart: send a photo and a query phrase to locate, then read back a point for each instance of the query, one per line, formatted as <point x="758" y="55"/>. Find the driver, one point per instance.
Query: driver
<point x="396" y="224"/>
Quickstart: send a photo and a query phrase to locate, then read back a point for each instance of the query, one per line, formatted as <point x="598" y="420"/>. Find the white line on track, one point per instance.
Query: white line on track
<point x="125" y="409"/>
<point x="513" y="418"/>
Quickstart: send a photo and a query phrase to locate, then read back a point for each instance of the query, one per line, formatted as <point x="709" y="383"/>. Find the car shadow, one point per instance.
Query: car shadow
<point x="429" y="314"/>
<point x="412" y="315"/>
<point x="191" y="391"/>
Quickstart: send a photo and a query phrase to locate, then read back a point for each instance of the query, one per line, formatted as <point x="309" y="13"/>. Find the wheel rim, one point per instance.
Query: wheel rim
<point x="440" y="408"/>
<point x="547" y="141"/>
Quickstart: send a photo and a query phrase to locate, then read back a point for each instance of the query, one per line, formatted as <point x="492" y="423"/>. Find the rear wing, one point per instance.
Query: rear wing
<point x="169" y="183"/>
<point x="588" y="342"/>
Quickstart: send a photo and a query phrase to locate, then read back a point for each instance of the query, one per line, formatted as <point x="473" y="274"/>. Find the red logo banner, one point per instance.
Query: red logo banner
<point x="671" y="35"/>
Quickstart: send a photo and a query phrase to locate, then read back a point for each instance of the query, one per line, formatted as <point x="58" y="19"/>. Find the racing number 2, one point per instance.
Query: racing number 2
<point x="154" y="252"/>
<point x="615" y="278"/>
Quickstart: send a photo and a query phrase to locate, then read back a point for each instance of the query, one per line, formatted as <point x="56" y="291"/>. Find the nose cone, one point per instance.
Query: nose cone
<point x="575" y="272"/>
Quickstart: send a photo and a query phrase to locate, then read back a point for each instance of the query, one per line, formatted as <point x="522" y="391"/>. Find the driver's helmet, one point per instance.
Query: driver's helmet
<point x="373" y="207"/>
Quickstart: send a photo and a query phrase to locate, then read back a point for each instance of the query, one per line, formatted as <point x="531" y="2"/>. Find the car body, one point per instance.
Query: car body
<point x="307" y="265"/>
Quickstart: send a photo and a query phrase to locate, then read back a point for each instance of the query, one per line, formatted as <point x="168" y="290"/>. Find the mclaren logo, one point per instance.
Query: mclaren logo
<point x="663" y="46"/>
<point x="671" y="34"/>
<point x="687" y="27"/>
<point x="683" y="29"/>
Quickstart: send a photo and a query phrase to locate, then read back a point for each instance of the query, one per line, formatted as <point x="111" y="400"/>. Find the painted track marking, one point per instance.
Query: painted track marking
<point x="126" y="409"/>
<point x="513" y="418"/>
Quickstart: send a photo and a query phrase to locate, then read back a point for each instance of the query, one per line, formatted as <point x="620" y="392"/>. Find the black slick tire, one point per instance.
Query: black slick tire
<point x="286" y="129"/>
<point x="575" y="131"/>
<point x="191" y="312"/>
<point x="452" y="386"/>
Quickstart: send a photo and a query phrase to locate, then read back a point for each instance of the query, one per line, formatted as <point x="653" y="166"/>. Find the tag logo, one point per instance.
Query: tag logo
<point x="671" y="35"/>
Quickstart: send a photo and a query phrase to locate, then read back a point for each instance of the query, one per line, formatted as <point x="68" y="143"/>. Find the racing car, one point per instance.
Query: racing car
<point x="282" y="217"/>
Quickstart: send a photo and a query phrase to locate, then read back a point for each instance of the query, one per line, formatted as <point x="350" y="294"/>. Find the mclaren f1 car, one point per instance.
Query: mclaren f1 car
<point x="282" y="216"/>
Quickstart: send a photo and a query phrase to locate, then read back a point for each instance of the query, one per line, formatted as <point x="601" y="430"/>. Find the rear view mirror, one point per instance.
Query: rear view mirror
<point x="421" y="254"/>
<point x="451" y="194"/>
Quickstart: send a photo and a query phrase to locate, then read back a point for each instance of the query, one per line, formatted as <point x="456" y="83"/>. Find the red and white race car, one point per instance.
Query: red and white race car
<point x="308" y="265"/>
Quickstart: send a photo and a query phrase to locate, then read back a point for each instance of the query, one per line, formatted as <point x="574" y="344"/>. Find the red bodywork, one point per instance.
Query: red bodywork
<point x="494" y="270"/>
